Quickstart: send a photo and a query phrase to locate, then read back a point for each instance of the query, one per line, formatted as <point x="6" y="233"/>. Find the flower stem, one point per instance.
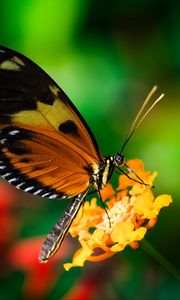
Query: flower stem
<point x="146" y="246"/>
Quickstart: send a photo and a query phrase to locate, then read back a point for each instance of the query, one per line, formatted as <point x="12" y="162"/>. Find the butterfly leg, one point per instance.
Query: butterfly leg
<point x="56" y="236"/>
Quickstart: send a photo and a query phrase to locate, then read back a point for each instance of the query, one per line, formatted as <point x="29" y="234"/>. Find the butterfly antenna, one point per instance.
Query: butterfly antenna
<point x="121" y="171"/>
<point x="141" y="115"/>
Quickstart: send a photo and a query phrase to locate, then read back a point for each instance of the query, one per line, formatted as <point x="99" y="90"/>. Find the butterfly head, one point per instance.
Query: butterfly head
<point x="106" y="169"/>
<point x="118" y="160"/>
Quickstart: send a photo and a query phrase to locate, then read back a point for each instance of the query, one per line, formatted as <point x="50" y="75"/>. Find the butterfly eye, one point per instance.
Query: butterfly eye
<point x="119" y="160"/>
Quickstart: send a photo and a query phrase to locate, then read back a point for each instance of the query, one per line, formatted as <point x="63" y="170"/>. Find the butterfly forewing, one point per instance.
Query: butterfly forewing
<point x="46" y="147"/>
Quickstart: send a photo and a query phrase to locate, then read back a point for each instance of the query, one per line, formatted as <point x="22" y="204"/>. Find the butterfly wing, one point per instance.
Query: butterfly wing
<point x="46" y="147"/>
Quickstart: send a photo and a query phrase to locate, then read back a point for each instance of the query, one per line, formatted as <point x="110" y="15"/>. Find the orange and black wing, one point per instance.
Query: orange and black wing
<point x="46" y="147"/>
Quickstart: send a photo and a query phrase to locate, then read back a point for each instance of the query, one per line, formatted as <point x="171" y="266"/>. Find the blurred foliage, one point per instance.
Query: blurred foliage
<point x="106" y="56"/>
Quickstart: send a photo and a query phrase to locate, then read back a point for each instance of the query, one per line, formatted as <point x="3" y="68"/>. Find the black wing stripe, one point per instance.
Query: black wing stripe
<point x="21" y="181"/>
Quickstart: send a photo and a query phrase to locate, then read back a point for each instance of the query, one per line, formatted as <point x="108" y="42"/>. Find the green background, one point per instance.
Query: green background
<point x="106" y="55"/>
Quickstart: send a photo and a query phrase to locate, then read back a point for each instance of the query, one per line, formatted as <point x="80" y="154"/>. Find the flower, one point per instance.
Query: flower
<point x="131" y="211"/>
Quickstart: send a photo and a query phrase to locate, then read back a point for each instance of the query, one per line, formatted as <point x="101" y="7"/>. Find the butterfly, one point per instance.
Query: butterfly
<point x="46" y="146"/>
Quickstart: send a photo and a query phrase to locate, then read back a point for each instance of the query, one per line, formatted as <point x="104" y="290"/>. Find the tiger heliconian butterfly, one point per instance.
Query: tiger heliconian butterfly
<point x="46" y="147"/>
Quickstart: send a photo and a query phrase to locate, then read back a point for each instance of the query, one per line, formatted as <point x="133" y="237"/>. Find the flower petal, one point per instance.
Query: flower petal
<point x="144" y="205"/>
<point x="162" y="200"/>
<point x="79" y="257"/>
<point x="124" y="234"/>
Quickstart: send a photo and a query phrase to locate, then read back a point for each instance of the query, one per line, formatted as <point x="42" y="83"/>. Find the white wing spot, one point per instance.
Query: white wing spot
<point x="20" y="184"/>
<point x="37" y="192"/>
<point x="6" y="175"/>
<point x="3" y="141"/>
<point x="2" y="167"/>
<point x="29" y="188"/>
<point x="13" y="132"/>
<point x="53" y="196"/>
<point x="18" y="61"/>
<point x="44" y="195"/>
<point x="54" y="90"/>
<point x="12" y="180"/>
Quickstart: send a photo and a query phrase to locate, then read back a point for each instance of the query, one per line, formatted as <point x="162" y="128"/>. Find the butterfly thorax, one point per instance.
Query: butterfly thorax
<point x="102" y="174"/>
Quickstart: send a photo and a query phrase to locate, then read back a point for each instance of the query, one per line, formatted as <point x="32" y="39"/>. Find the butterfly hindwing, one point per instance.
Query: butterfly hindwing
<point x="34" y="163"/>
<point x="46" y="147"/>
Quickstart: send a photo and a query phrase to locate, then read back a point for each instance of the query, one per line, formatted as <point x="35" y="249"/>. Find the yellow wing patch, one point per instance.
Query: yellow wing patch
<point x="13" y="64"/>
<point x="56" y="114"/>
<point x="30" y="98"/>
<point x="31" y="117"/>
<point x="18" y="61"/>
<point x="9" y="65"/>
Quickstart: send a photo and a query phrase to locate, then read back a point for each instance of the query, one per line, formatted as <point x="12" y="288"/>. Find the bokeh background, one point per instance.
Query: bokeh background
<point x="106" y="55"/>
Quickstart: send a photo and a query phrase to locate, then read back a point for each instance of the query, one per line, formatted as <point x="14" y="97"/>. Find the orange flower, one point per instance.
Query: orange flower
<point x="132" y="210"/>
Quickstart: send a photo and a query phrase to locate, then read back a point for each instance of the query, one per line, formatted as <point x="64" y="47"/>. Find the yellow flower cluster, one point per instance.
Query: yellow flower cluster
<point x="131" y="210"/>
